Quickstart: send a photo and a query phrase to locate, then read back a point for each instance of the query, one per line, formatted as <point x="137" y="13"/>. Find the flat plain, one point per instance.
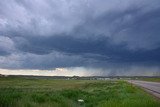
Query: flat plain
<point x="35" y="92"/>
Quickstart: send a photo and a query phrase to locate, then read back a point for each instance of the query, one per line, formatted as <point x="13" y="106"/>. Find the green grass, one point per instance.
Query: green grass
<point x="21" y="92"/>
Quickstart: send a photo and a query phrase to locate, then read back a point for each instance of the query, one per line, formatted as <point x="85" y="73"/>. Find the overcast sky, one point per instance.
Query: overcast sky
<point x="108" y="37"/>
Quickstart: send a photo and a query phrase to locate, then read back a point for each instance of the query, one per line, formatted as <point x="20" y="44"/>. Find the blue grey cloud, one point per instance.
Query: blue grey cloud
<point x="73" y="33"/>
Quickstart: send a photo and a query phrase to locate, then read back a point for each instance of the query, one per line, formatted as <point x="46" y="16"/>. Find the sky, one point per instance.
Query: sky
<point x="80" y="37"/>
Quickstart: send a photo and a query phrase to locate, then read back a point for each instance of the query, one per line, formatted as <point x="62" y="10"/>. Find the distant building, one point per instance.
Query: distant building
<point x="2" y="75"/>
<point x="5" y="75"/>
<point x="103" y="78"/>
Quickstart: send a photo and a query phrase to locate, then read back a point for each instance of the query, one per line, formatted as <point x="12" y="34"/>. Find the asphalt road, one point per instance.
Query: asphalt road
<point x="151" y="87"/>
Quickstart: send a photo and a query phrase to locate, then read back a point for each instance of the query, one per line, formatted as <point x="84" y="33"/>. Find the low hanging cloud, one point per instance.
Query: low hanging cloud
<point x="6" y="46"/>
<point x="109" y="35"/>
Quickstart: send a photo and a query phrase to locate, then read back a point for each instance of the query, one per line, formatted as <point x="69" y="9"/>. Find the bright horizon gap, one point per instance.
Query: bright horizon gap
<point x="81" y="71"/>
<point x="53" y="72"/>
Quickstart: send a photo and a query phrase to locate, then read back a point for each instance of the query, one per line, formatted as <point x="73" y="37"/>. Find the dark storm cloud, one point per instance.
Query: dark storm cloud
<point x="2" y="53"/>
<point x="89" y="48"/>
<point x="70" y="33"/>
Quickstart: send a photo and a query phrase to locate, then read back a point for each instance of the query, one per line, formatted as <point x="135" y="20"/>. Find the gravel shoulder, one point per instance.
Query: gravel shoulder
<point x="151" y="87"/>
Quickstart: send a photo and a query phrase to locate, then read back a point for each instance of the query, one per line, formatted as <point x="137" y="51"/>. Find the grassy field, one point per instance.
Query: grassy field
<point x="23" y="92"/>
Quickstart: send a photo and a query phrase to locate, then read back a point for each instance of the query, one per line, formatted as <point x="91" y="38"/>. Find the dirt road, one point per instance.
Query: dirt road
<point x="151" y="87"/>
